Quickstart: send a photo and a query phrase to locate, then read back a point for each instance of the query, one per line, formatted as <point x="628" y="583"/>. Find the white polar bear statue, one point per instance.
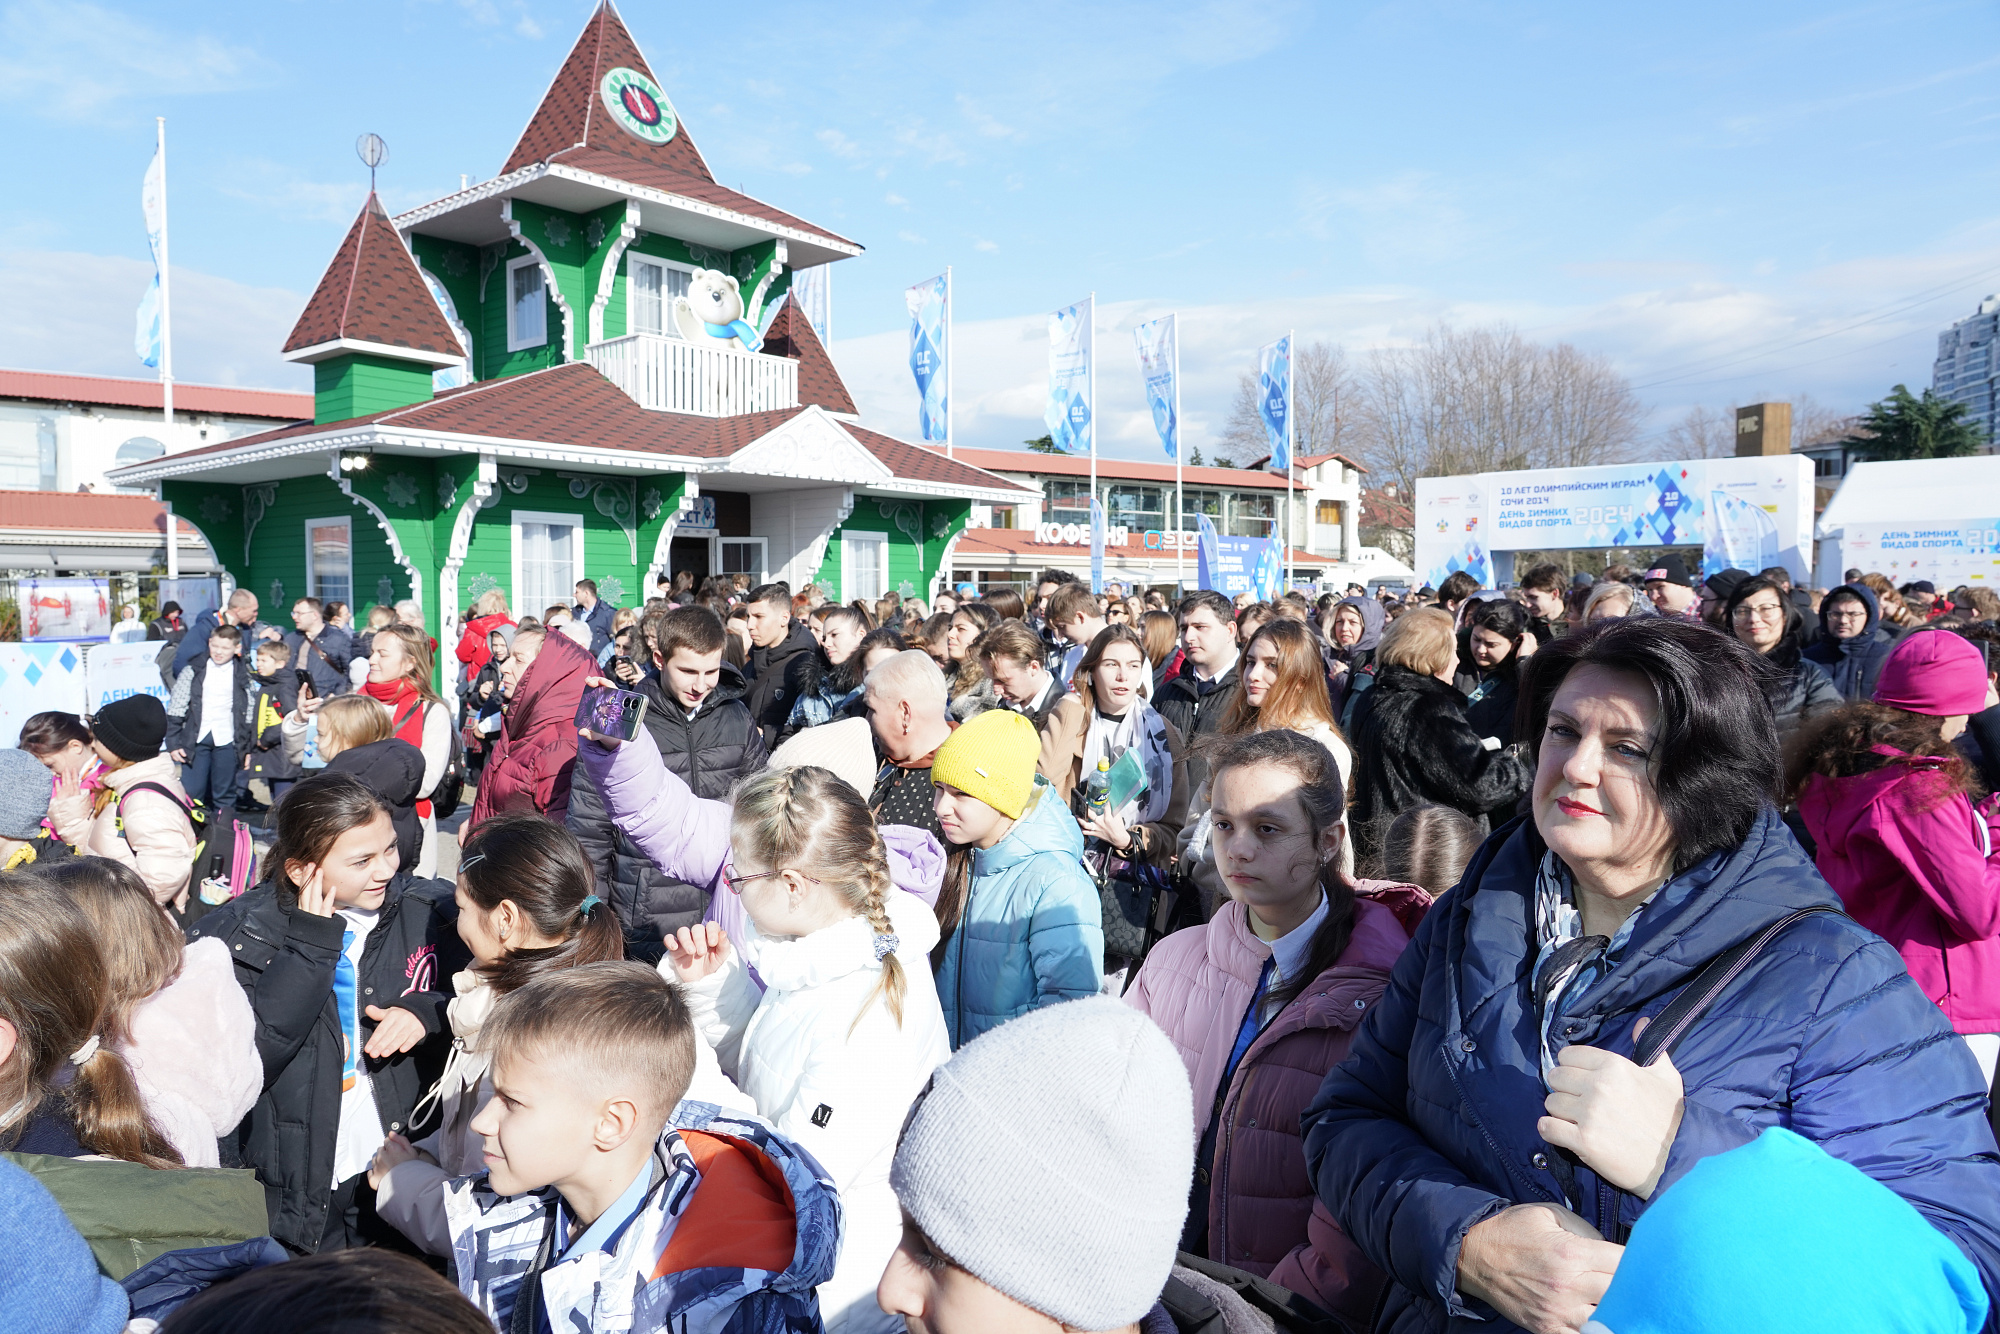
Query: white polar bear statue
<point x="713" y="308"/>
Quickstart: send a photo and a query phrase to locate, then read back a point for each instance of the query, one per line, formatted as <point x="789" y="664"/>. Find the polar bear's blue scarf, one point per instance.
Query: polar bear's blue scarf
<point x="737" y="329"/>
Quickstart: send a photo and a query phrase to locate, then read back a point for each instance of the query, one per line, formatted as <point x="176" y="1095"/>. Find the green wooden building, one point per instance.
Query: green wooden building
<point x="521" y="385"/>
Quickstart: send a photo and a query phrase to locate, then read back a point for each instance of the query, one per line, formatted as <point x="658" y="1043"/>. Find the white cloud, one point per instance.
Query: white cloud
<point x="895" y="200"/>
<point x="79" y="61"/>
<point x="983" y="121"/>
<point x="983" y="244"/>
<point x="839" y="144"/>
<point x="912" y="238"/>
<point x="74" y="312"/>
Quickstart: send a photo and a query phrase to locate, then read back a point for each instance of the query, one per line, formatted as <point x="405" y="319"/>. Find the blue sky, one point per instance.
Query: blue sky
<point x="1731" y="201"/>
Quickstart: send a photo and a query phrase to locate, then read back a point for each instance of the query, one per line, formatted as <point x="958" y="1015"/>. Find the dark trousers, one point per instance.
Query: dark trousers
<point x="210" y="776"/>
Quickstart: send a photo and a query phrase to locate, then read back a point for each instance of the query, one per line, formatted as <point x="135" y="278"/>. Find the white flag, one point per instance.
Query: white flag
<point x="147" y="336"/>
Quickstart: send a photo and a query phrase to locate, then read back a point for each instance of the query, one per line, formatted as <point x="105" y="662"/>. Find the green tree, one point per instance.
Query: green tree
<point x="1044" y="444"/>
<point x="1194" y="457"/>
<point x="1905" y="426"/>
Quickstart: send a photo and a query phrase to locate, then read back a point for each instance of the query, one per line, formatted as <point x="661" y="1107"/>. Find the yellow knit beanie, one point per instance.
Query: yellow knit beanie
<point x="993" y="758"/>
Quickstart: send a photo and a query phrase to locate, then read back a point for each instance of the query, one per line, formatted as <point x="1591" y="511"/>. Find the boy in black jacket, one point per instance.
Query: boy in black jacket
<point x="346" y="961"/>
<point x="277" y="688"/>
<point x="695" y="711"/>
<point x="208" y="720"/>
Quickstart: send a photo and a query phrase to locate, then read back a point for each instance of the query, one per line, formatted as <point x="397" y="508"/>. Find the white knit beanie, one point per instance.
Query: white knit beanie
<point x="1051" y="1158"/>
<point x="847" y="747"/>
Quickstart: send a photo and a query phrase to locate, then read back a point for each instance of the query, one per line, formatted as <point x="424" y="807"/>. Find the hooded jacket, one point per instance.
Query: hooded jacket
<point x="1357" y="658"/>
<point x="1429" y="1126"/>
<point x="529" y="769"/>
<point x="1412" y="745"/>
<point x="738" y="1229"/>
<point x="1031" y="932"/>
<point x="834" y="1070"/>
<point x="1916" y="863"/>
<point x="394" y="771"/>
<point x="1197" y="985"/>
<point x="150" y="832"/>
<point x="194" y="1054"/>
<point x="184" y="707"/>
<point x="777" y="675"/>
<point x="473" y="650"/>
<point x="708" y="752"/>
<point x="277" y="698"/>
<point x="1853" y="664"/>
<point x="688" y="838"/>
<point x="285" y="961"/>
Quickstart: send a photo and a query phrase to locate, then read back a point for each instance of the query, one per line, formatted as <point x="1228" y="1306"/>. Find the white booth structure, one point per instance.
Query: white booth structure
<point x="1935" y="519"/>
<point x="1749" y="513"/>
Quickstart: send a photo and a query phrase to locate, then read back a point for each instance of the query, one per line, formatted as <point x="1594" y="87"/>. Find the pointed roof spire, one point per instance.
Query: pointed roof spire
<point x="791" y="335"/>
<point x="605" y="97"/>
<point x="373" y="299"/>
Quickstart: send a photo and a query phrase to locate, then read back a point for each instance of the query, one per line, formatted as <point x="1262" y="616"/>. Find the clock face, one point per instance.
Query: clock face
<point x="638" y="106"/>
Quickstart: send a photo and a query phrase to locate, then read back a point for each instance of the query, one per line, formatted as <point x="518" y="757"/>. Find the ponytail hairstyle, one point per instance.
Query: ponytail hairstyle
<point x="54" y="991"/>
<point x="1323" y="797"/>
<point x="313" y="816"/>
<point x="805" y="816"/>
<point x="539" y="866"/>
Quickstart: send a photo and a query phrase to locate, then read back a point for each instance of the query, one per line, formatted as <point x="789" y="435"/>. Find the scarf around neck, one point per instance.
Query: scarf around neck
<point x="1567" y="962"/>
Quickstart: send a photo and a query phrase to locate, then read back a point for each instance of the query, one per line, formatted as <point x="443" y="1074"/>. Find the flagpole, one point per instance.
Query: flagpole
<point x="1180" y="448"/>
<point x="166" y="305"/>
<point x="950" y="403"/>
<point x="1091" y="342"/>
<point x="1291" y="443"/>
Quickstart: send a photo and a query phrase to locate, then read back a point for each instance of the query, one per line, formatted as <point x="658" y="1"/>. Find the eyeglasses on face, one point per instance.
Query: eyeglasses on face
<point x="1747" y="613"/>
<point x="736" y="882"/>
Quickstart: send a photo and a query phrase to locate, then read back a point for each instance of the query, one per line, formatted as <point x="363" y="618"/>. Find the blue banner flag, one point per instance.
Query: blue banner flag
<point x="1160" y="365"/>
<point x="1274" y="400"/>
<point x="930" y="348"/>
<point x="1068" y="414"/>
<point x="1096" y="545"/>
<point x="1206" y="543"/>
<point x="150" y="333"/>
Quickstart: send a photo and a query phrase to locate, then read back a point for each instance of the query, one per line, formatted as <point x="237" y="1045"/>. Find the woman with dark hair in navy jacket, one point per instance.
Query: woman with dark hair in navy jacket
<point x="1491" y="1139"/>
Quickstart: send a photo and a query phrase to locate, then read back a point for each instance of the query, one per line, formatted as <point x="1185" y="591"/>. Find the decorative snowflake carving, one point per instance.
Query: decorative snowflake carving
<point x="706" y="258"/>
<point x="907" y="589"/>
<point x="593" y="235"/>
<point x="612" y="589"/>
<point x="651" y="503"/>
<point x="480" y="585"/>
<point x="277" y="592"/>
<point x="447" y="490"/>
<point x="401" y="489"/>
<point x="940" y="524"/>
<point x="557" y="231"/>
<point x="214" y="509"/>
<point x="385" y="592"/>
<point x="455" y="264"/>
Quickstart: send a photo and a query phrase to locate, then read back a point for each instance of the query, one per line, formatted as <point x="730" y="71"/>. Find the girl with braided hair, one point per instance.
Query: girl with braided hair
<point x="848" y="1027"/>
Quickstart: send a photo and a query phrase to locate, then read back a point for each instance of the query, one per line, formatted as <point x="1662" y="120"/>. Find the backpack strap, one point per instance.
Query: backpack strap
<point x="188" y="808"/>
<point x="1672" y="1024"/>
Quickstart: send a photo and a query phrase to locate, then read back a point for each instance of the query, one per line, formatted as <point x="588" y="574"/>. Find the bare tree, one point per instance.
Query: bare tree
<point x="1488" y="400"/>
<point x="1322" y="401"/>
<point x="1703" y="433"/>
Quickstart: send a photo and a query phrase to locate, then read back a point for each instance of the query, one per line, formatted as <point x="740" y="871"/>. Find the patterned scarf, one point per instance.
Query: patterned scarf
<point x="1567" y="962"/>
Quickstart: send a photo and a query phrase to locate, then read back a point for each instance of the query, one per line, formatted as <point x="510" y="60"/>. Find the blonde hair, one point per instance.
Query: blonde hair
<point x="609" y="1023"/>
<point x="347" y="721"/>
<point x="493" y="602"/>
<point x="808" y="816"/>
<point x="1421" y="640"/>
<point x="142" y="951"/>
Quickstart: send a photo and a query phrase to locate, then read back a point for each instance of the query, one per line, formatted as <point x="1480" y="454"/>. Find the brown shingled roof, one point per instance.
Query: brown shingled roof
<point x="572" y="115"/>
<point x="373" y="293"/>
<point x="791" y="335"/>
<point x="572" y="127"/>
<point x="575" y="405"/>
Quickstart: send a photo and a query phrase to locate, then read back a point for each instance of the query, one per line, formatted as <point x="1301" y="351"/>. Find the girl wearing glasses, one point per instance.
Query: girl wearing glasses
<point x="1759" y="614"/>
<point x="846" y="1028"/>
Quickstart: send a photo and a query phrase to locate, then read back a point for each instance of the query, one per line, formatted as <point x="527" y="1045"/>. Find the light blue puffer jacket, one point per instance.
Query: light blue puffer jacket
<point x="1032" y="932"/>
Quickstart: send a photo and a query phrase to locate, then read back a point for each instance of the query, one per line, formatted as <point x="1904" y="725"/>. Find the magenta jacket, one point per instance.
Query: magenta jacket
<point x="1915" y="863"/>
<point x="1263" y="1215"/>
<point x="688" y="837"/>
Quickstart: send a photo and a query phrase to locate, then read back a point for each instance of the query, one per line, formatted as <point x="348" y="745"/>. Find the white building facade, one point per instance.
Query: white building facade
<point x="1967" y="369"/>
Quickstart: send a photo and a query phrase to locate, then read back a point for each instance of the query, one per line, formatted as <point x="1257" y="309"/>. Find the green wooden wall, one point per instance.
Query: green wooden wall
<point x="918" y="533"/>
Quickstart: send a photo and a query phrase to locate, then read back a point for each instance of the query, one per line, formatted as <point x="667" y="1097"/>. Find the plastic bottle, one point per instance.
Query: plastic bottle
<point x="1097" y="789"/>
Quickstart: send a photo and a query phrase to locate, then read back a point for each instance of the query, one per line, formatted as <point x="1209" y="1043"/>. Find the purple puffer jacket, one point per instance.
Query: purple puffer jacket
<point x="1196" y="985"/>
<point x="688" y="837"/>
<point x="1916" y="863"/>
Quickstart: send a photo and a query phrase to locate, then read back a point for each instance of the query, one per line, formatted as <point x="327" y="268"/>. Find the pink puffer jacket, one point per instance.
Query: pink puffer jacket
<point x="156" y="838"/>
<point x="1196" y="985"/>
<point x="1917" y="864"/>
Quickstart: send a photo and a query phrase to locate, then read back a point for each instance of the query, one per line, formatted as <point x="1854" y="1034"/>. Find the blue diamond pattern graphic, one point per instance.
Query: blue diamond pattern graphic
<point x="34" y="674"/>
<point x="68" y="660"/>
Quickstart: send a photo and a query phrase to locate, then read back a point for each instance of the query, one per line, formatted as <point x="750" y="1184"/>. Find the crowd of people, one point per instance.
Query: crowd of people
<point x="1593" y="955"/>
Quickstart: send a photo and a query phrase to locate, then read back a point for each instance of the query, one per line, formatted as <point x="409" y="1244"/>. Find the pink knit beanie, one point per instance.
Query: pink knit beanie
<point x="1934" y="672"/>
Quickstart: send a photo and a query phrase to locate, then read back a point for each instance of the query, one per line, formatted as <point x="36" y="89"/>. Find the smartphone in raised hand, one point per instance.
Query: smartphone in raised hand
<point x="611" y="713"/>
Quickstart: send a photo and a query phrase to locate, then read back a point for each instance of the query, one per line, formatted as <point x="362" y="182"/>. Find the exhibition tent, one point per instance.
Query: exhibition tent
<point x="1935" y="519"/>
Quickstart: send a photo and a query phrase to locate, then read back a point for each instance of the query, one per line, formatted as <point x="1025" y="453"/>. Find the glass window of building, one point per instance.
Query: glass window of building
<point x="546" y="556"/>
<point x="1139" y="508"/>
<point x="1196" y="501"/>
<point x="330" y="559"/>
<point x="651" y="291"/>
<point x="527" y="313"/>
<point x="1069" y="499"/>
<point x="27" y="450"/>
<point x="1252" y="515"/>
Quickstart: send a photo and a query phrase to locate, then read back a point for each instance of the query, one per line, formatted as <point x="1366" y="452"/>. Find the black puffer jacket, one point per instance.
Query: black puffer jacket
<point x="1412" y="745"/>
<point x="777" y="675"/>
<point x="285" y="960"/>
<point x="709" y="753"/>
<point x="394" y="771"/>
<point x="1800" y="690"/>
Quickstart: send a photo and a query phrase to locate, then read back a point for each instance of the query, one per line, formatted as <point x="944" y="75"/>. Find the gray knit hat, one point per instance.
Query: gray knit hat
<point x="1051" y="1158"/>
<point x="25" y="787"/>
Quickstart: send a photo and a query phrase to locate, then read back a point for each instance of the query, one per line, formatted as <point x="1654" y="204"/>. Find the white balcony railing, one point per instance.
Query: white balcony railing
<point x="709" y="379"/>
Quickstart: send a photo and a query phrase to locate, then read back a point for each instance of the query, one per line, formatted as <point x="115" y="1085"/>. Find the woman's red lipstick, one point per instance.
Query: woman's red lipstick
<point x="1571" y="806"/>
